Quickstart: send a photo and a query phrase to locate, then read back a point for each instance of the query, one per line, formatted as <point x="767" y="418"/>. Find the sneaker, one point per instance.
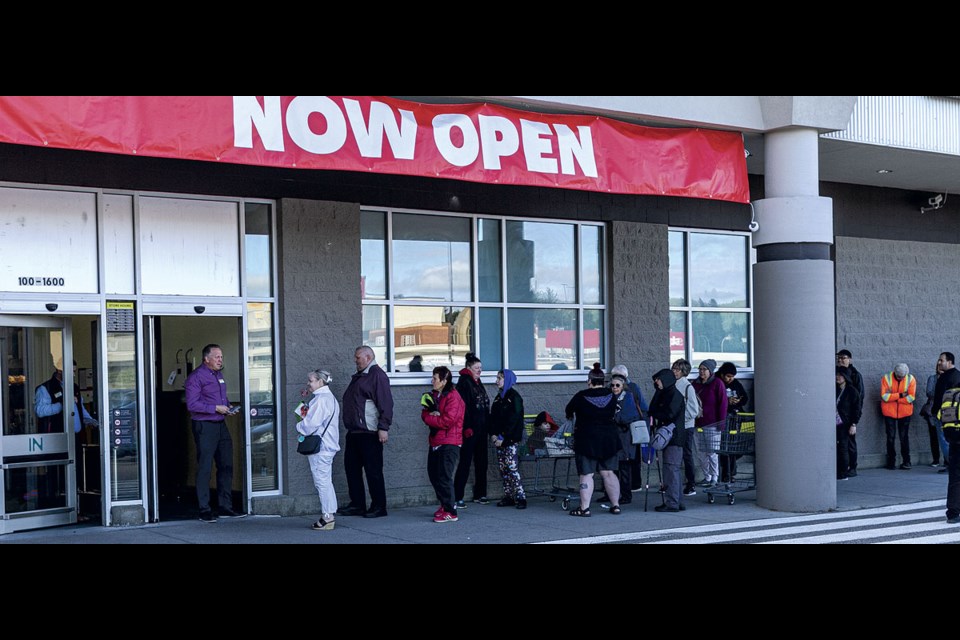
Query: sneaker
<point x="438" y="512"/>
<point x="943" y="470"/>
<point x="852" y="473"/>
<point x="522" y="503"/>
<point x="507" y="501"/>
<point x="482" y="500"/>
<point x="445" y="517"/>
<point x="953" y="520"/>
<point x="207" y="516"/>
<point x="935" y="465"/>
<point x="664" y="508"/>
<point x="230" y="513"/>
<point x="689" y="490"/>
<point x="906" y="467"/>
<point x="839" y="478"/>
<point x="460" y="504"/>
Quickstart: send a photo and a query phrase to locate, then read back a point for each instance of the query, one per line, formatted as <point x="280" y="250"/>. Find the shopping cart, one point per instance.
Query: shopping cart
<point x="549" y="452"/>
<point x="731" y="440"/>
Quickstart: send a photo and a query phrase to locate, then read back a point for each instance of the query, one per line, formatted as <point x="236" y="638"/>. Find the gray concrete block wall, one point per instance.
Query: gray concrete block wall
<point x="320" y="325"/>
<point x="890" y="309"/>
<point x="639" y="305"/>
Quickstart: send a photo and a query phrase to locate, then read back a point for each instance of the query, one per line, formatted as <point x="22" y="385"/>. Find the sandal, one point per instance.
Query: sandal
<point x="583" y="513"/>
<point x="615" y="510"/>
<point x="323" y="525"/>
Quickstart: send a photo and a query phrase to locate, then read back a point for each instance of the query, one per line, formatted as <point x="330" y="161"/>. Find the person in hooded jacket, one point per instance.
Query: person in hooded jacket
<point x="443" y="411"/>
<point x="595" y="440"/>
<point x="506" y="432"/>
<point x="477" y="407"/>
<point x="848" y="415"/>
<point x="667" y="407"/>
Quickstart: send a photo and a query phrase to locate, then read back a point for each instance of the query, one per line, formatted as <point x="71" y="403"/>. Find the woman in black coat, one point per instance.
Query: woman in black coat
<point x="596" y="441"/>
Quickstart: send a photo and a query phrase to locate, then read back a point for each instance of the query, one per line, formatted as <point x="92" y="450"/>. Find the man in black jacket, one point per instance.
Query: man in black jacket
<point x="845" y="360"/>
<point x="950" y="379"/>
<point x="667" y="408"/>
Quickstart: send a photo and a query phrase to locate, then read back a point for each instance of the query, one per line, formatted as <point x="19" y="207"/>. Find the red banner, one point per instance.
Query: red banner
<point x="473" y="142"/>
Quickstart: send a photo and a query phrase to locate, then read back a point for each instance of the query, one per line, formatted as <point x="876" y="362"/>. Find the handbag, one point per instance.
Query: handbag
<point x="662" y="436"/>
<point x="309" y="445"/>
<point x="639" y="434"/>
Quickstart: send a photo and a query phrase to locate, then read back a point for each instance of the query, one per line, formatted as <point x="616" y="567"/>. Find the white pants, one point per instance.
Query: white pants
<point x="709" y="460"/>
<point x="321" y="466"/>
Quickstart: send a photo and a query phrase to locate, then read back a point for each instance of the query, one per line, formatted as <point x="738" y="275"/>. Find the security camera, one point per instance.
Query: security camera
<point x="936" y="202"/>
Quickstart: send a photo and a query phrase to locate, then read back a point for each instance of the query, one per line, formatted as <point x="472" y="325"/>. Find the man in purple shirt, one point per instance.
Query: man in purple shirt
<point x="207" y="403"/>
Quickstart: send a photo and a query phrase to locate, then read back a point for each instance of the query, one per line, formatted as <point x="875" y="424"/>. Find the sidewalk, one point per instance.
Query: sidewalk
<point x="488" y="524"/>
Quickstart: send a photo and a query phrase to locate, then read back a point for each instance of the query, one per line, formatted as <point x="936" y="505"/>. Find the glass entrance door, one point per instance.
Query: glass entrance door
<point x="37" y="470"/>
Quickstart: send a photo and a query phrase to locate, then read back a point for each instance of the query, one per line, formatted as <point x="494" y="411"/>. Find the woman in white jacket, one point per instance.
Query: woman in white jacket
<point x="322" y="418"/>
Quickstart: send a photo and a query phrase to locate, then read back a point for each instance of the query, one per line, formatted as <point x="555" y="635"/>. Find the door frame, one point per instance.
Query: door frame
<point x="187" y="311"/>
<point x="63" y="442"/>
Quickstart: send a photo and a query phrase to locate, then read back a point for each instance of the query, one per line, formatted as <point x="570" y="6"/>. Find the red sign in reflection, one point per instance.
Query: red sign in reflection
<point x="678" y="340"/>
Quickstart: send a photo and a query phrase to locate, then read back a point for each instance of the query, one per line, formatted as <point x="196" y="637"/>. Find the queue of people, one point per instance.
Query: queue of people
<point x="462" y="420"/>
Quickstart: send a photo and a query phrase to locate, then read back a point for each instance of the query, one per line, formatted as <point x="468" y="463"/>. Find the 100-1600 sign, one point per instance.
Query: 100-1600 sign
<point x="40" y="282"/>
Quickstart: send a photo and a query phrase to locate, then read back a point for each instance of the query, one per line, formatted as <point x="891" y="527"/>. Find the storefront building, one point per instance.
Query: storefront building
<point x="127" y="257"/>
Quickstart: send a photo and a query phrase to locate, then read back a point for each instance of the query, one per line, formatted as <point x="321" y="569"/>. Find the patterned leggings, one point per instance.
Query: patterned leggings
<point x="510" y="472"/>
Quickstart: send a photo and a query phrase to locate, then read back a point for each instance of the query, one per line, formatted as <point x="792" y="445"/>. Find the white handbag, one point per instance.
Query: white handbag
<point x="639" y="433"/>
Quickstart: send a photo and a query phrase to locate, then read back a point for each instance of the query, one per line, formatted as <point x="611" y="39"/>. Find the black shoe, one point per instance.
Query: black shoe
<point x="943" y="470"/>
<point x="664" y="508"/>
<point x="375" y="513"/>
<point x="522" y="503"/>
<point x="351" y="511"/>
<point x="852" y="473"/>
<point x="906" y="467"/>
<point x="953" y="520"/>
<point x="207" y="516"/>
<point x="507" y="501"/>
<point x="230" y="513"/>
<point x="891" y="467"/>
<point x="626" y="499"/>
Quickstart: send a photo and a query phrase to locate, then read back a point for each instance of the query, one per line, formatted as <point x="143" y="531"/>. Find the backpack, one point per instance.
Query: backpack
<point x="950" y="409"/>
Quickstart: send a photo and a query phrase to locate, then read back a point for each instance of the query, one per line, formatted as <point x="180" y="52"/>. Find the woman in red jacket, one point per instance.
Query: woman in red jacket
<point x="443" y="413"/>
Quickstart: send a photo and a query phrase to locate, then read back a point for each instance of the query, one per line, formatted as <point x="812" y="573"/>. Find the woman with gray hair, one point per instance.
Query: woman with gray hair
<point x="321" y="417"/>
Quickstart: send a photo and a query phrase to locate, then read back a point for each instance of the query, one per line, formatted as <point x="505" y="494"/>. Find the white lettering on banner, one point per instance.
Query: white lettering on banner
<point x="248" y="114"/>
<point x="298" y="126"/>
<point x="535" y="146"/>
<point x="459" y="156"/>
<point x="382" y="123"/>
<point x="498" y="137"/>
<point x="492" y="137"/>
<point x="571" y="148"/>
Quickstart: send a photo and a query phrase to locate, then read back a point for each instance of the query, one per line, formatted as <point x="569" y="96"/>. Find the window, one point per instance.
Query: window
<point x="710" y="302"/>
<point x="523" y="294"/>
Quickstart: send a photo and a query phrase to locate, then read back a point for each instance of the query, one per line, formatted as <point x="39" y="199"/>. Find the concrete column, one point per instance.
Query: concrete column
<point x="794" y="330"/>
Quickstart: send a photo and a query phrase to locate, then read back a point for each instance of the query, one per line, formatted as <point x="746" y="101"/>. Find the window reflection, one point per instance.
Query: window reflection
<point x="488" y="260"/>
<point x="541" y="264"/>
<point x="543" y="339"/>
<point x="263" y="412"/>
<point x="592" y="337"/>
<point x="439" y="335"/>
<point x="431" y="258"/>
<point x="721" y="336"/>
<point x="373" y="258"/>
<point x="678" y="335"/>
<point x="257" y="249"/>
<point x="591" y="258"/>
<point x="375" y="332"/>
<point x="678" y="294"/>
<point x="718" y="270"/>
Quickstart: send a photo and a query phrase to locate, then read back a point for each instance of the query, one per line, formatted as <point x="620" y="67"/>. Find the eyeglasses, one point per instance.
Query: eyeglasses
<point x="616" y="385"/>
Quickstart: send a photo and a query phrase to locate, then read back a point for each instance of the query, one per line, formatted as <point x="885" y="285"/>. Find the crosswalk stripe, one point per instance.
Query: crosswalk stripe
<point x="866" y="534"/>
<point x="809" y="519"/>
<point x="940" y="539"/>
<point x="770" y="532"/>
